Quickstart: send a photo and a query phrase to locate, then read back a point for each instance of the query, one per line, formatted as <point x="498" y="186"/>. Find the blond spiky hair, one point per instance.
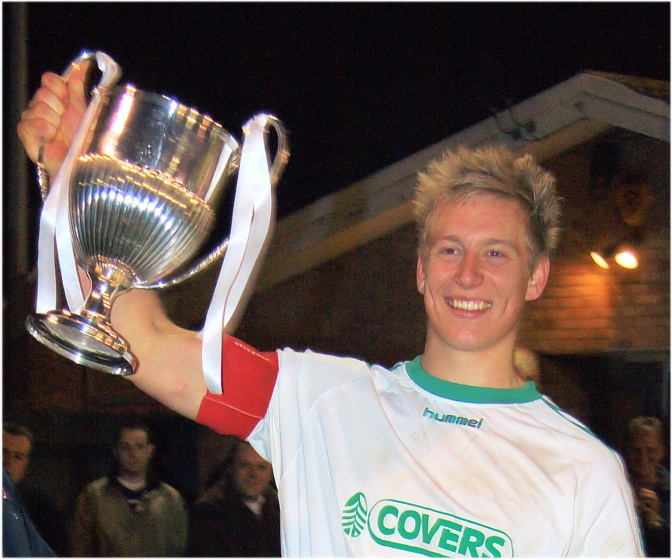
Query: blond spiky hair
<point x="498" y="170"/>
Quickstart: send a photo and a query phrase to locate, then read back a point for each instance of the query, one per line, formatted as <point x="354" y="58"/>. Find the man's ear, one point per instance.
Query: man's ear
<point x="152" y="448"/>
<point x="420" y="276"/>
<point x="538" y="278"/>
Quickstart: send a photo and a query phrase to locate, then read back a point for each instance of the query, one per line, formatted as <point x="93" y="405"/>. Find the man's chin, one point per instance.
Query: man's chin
<point x="252" y="493"/>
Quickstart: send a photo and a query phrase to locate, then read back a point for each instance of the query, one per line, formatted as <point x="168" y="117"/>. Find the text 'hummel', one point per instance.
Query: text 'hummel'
<point x="452" y="419"/>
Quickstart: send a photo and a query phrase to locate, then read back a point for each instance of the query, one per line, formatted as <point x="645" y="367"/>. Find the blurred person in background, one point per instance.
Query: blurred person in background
<point x="651" y="483"/>
<point x="20" y="539"/>
<point x="239" y="514"/>
<point x="17" y="448"/>
<point x="130" y="512"/>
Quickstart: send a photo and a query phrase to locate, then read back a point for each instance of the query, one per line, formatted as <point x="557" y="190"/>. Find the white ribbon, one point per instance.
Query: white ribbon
<point x="251" y="224"/>
<point x="54" y="219"/>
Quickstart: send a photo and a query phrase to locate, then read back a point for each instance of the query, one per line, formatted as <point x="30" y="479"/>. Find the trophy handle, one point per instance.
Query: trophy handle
<point x="213" y="256"/>
<point x="282" y="153"/>
<point x="275" y="171"/>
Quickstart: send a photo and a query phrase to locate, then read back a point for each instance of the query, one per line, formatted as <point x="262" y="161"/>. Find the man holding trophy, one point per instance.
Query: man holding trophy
<point x="448" y="454"/>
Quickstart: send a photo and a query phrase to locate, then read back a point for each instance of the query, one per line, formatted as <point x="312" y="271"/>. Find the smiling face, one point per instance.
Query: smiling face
<point x="251" y="474"/>
<point x="475" y="274"/>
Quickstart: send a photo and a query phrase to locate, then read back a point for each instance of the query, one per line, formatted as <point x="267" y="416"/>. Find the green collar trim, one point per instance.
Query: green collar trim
<point x="469" y="393"/>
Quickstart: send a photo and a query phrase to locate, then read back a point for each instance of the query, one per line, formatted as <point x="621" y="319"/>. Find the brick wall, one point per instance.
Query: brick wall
<point x="585" y="308"/>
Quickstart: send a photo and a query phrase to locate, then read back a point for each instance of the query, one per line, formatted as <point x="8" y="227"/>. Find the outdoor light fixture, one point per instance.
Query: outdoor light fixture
<point x="627" y="191"/>
<point x="600" y="258"/>
<point x="622" y="252"/>
<point x="626" y="258"/>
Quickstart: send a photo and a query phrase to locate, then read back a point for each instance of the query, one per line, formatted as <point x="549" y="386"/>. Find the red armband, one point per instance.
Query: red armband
<point x="248" y="380"/>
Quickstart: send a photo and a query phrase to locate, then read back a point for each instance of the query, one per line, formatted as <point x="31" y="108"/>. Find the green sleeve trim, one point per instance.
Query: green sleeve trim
<point x="469" y="393"/>
<point x="567" y="417"/>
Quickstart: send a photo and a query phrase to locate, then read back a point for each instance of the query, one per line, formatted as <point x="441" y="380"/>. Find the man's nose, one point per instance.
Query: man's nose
<point x="469" y="273"/>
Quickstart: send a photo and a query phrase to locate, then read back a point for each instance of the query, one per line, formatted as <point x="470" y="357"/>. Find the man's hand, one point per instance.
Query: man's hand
<point x="648" y="506"/>
<point x="53" y="116"/>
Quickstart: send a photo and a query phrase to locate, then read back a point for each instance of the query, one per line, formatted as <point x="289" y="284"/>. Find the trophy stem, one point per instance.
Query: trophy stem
<point x="88" y="338"/>
<point x="107" y="280"/>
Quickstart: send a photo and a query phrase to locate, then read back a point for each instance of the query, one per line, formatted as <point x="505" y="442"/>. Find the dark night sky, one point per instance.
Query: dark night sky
<point x="359" y="85"/>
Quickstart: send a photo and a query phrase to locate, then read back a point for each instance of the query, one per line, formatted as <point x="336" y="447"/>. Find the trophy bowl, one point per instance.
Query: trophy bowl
<point x="143" y="197"/>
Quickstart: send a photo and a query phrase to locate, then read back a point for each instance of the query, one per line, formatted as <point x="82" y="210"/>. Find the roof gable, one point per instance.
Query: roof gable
<point x="545" y="125"/>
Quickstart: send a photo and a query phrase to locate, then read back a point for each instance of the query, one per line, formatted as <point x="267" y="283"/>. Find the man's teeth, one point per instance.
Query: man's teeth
<point x="469" y="305"/>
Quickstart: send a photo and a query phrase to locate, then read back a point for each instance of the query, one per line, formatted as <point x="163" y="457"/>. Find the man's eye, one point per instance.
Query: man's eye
<point x="449" y="251"/>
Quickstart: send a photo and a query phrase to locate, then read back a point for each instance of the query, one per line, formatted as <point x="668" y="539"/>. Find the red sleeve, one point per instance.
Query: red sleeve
<point x="248" y="380"/>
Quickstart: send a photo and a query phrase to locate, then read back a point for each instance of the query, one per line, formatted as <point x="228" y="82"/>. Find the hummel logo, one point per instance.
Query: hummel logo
<point x="452" y="419"/>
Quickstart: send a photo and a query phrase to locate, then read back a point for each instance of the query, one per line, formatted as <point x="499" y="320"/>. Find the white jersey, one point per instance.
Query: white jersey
<point x="371" y="462"/>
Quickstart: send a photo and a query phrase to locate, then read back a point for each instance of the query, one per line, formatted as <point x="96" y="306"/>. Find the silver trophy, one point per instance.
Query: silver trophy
<point x="143" y="198"/>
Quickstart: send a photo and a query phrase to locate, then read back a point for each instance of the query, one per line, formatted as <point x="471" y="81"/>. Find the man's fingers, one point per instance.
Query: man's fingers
<point x="46" y="105"/>
<point x="77" y="80"/>
<point x="38" y="128"/>
<point x="43" y="116"/>
<point x="53" y="115"/>
<point x="40" y="121"/>
<point x="55" y="84"/>
<point x="32" y="132"/>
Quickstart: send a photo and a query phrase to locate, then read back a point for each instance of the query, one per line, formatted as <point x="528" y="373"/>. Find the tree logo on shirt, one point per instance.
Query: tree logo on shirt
<point x="354" y="515"/>
<point x="421" y="530"/>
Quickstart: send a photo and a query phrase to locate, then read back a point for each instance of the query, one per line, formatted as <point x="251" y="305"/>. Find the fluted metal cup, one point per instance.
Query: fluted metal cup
<point x="142" y="201"/>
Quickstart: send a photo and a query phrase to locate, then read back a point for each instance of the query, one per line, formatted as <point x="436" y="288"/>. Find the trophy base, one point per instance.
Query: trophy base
<point x="83" y="341"/>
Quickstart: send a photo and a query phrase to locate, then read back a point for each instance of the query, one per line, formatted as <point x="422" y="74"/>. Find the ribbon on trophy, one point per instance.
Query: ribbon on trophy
<point x="251" y="225"/>
<point x="54" y="219"/>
